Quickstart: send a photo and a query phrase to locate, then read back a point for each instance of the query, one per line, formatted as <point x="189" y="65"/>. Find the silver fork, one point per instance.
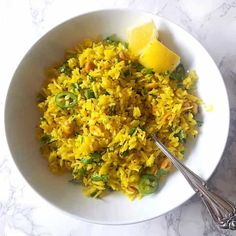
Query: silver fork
<point x="222" y="211"/>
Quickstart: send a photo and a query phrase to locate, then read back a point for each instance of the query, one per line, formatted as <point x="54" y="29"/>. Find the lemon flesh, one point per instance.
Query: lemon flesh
<point x="140" y="36"/>
<point x="158" y="57"/>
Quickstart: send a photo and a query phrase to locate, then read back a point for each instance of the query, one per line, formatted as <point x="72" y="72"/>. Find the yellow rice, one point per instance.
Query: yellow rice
<point x="129" y="104"/>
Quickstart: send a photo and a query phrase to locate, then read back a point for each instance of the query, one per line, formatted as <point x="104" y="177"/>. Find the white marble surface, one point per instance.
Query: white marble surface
<point x="23" y="212"/>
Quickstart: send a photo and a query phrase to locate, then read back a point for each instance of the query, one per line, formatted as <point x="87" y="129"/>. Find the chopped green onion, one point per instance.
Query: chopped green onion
<point x="89" y="94"/>
<point x="93" y="157"/>
<point x="78" y="173"/>
<point x="76" y="87"/>
<point x="82" y="171"/>
<point x="86" y="160"/>
<point x="97" y="177"/>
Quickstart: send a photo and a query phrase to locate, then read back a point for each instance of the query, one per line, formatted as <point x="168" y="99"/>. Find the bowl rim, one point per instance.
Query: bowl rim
<point x="44" y="35"/>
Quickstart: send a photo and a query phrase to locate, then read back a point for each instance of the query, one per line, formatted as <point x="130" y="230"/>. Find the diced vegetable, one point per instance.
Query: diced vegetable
<point x="148" y="184"/>
<point x="66" y="100"/>
<point x="93" y="157"/>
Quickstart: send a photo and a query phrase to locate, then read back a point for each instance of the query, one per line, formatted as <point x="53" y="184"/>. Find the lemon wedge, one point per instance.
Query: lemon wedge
<point x="140" y="36"/>
<point x="158" y="57"/>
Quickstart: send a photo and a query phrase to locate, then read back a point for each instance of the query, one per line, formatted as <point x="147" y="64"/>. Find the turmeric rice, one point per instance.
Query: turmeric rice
<point x="98" y="110"/>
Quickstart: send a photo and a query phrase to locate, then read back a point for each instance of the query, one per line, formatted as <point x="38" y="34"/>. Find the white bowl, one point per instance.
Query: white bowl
<point x="22" y="115"/>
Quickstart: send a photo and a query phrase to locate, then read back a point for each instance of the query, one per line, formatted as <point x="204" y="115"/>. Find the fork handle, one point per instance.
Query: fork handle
<point x="222" y="211"/>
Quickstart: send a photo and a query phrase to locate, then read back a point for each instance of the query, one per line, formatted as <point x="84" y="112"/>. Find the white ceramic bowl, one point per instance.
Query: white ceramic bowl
<point x="21" y="118"/>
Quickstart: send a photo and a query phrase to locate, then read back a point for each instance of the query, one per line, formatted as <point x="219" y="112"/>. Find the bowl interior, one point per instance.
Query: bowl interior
<point x="21" y="118"/>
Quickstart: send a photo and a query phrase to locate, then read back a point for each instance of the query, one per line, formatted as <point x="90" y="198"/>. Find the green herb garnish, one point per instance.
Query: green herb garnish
<point x="148" y="71"/>
<point x="132" y="131"/>
<point x="97" y="177"/>
<point x="181" y="136"/>
<point x="96" y="156"/>
<point x="89" y="94"/>
<point x="125" y="153"/>
<point x="113" y="39"/>
<point x="46" y="139"/>
<point x="179" y="73"/>
<point x="137" y="65"/>
<point x="91" y="78"/>
<point x="86" y="160"/>
<point x="78" y="173"/>
<point x="65" y="69"/>
<point x="161" y="172"/>
<point x="76" y="87"/>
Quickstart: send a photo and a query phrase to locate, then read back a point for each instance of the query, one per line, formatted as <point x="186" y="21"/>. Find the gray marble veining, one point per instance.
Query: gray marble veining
<point x="23" y="212"/>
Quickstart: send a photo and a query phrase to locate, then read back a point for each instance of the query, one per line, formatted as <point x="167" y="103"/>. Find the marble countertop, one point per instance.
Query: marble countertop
<point x="22" y="211"/>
